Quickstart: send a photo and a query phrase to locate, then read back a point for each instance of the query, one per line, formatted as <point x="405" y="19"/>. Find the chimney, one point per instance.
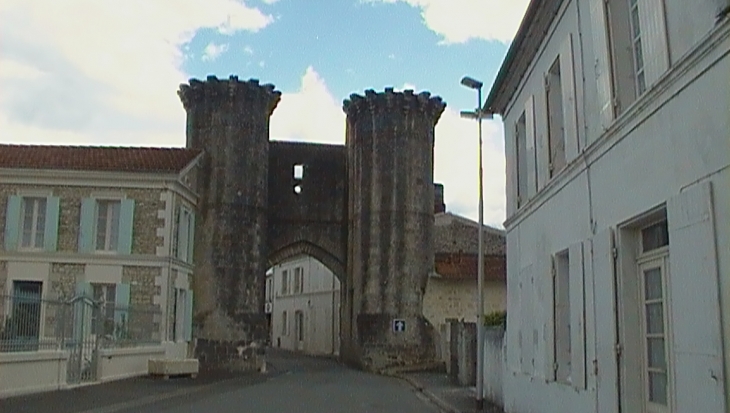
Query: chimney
<point x="438" y="201"/>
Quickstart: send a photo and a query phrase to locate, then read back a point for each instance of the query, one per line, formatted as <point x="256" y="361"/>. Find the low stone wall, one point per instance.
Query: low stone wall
<point x="32" y="372"/>
<point x="493" y="364"/>
<point x="122" y="363"/>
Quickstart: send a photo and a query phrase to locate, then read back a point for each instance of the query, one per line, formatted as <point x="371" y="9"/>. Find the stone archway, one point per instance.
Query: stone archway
<point x="307" y="248"/>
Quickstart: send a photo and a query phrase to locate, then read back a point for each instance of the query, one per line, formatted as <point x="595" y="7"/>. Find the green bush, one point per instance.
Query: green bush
<point x="496" y="319"/>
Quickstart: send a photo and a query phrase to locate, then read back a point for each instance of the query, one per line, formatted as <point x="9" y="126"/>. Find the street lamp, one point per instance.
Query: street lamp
<point x="479" y="114"/>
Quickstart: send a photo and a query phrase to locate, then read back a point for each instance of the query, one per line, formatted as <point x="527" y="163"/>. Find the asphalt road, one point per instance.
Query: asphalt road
<point x="293" y="384"/>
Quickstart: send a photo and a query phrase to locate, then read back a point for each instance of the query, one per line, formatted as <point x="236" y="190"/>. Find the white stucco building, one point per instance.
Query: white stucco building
<point x="304" y="298"/>
<point x="617" y="125"/>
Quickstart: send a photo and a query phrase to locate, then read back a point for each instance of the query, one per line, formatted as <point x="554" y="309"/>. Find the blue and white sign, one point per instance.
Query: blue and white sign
<point x="399" y="325"/>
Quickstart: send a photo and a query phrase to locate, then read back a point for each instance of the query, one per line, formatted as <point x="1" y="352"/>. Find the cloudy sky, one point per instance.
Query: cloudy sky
<point x="106" y="72"/>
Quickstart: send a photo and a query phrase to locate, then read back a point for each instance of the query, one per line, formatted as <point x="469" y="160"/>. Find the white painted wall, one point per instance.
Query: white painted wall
<point x="672" y="142"/>
<point x="25" y="373"/>
<point x="319" y="302"/>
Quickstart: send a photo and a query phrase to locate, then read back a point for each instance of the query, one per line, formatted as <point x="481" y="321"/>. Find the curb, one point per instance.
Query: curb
<point x="441" y="403"/>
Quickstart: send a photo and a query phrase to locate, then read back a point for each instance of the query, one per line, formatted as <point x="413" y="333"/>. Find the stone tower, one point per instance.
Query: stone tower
<point x="229" y="120"/>
<point x="390" y="142"/>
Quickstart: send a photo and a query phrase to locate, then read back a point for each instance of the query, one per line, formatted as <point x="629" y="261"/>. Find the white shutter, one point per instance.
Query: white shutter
<point x="549" y="314"/>
<point x="602" y="64"/>
<point x="570" y="115"/>
<point x="527" y="320"/>
<point x="510" y="147"/>
<point x="604" y="290"/>
<point x="541" y="138"/>
<point x="653" y="39"/>
<point x="699" y="379"/>
<point x="577" y="317"/>
<point x="589" y="320"/>
<point x="531" y="173"/>
<point x="513" y="303"/>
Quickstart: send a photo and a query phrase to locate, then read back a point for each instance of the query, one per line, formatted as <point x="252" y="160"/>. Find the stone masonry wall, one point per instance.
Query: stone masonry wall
<point x="146" y="221"/>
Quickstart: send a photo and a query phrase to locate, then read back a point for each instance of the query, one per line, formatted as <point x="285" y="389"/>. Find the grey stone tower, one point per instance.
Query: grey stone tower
<point x="229" y="120"/>
<point x="390" y="142"/>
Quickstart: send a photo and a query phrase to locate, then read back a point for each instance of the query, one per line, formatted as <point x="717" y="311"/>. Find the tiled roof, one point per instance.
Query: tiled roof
<point x="456" y="266"/>
<point x="454" y="234"/>
<point x="96" y="158"/>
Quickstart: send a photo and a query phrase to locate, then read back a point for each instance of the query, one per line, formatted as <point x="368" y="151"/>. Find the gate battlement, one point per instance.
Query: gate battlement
<point x="365" y="209"/>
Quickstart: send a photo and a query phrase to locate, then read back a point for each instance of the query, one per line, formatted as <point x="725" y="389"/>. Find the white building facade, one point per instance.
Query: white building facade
<point x="303" y="298"/>
<point x="617" y="120"/>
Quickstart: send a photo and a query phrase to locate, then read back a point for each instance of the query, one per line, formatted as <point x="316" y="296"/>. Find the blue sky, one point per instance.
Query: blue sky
<point x="105" y="72"/>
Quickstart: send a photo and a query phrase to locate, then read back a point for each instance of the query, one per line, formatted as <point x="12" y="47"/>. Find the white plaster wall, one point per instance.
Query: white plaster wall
<point x="320" y="303"/>
<point x="676" y="140"/>
<point x="25" y="373"/>
<point x="122" y="363"/>
<point x="107" y="274"/>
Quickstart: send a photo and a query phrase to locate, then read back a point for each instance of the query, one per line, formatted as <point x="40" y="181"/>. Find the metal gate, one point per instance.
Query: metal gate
<point x="82" y="343"/>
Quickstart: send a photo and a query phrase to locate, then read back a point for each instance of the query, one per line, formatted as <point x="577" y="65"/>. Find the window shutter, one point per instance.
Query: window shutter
<point x="549" y="315"/>
<point x="51" y="230"/>
<point x="87" y="224"/>
<point x="126" y="226"/>
<point x="121" y="309"/>
<point x="191" y="238"/>
<point x="510" y="147"/>
<point x="695" y="307"/>
<point x="527" y="313"/>
<point x="604" y="292"/>
<point x="577" y="317"/>
<point x="602" y="64"/>
<point x="531" y="173"/>
<point x="570" y="114"/>
<point x="654" y="39"/>
<point x="12" y="223"/>
<point x="188" y="325"/>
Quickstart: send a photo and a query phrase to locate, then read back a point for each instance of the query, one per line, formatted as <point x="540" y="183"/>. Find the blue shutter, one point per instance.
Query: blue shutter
<point x="191" y="237"/>
<point x="12" y="223"/>
<point x="126" y="225"/>
<point x="82" y="310"/>
<point x="121" y="310"/>
<point x="52" y="213"/>
<point x="188" y="323"/>
<point x="86" y="226"/>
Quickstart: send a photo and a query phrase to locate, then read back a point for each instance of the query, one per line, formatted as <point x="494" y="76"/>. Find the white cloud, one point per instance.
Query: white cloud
<point x="270" y="1"/>
<point x="96" y="70"/>
<point x="458" y="21"/>
<point x="212" y="51"/>
<point x="311" y="114"/>
<point x="248" y="50"/>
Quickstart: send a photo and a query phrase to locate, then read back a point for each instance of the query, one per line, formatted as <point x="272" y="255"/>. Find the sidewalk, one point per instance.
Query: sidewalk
<point x="111" y="395"/>
<point x="446" y="394"/>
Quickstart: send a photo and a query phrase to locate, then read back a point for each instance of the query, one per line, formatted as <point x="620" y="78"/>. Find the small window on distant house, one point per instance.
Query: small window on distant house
<point x="34" y="222"/>
<point x="284" y="326"/>
<point x="285" y="282"/>
<point x="298" y="280"/>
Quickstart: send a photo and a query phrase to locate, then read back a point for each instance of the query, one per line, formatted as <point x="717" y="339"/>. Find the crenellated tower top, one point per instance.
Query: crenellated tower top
<point x="229" y="91"/>
<point x="394" y="102"/>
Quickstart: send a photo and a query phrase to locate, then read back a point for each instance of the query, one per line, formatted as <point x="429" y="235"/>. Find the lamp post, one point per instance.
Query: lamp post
<point x="479" y="115"/>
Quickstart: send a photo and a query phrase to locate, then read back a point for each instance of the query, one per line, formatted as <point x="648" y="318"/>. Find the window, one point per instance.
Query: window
<point x="521" y="155"/>
<point x="269" y="289"/>
<point x="284" y="326"/>
<point x="34" y="223"/>
<point x="185" y="235"/>
<point x="285" y="282"/>
<point x="556" y="122"/>
<point x="24" y="330"/>
<point x="298" y="280"/>
<point x="638" y="53"/>
<point x="562" y="334"/>
<point x="652" y="286"/>
<point x="179" y="306"/>
<point x="107" y="225"/>
<point x="633" y="53"/>
<point x="102" y="320"/>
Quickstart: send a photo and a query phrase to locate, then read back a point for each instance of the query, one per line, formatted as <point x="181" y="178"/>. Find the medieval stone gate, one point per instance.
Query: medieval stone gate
<point x="364" y="209"/>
